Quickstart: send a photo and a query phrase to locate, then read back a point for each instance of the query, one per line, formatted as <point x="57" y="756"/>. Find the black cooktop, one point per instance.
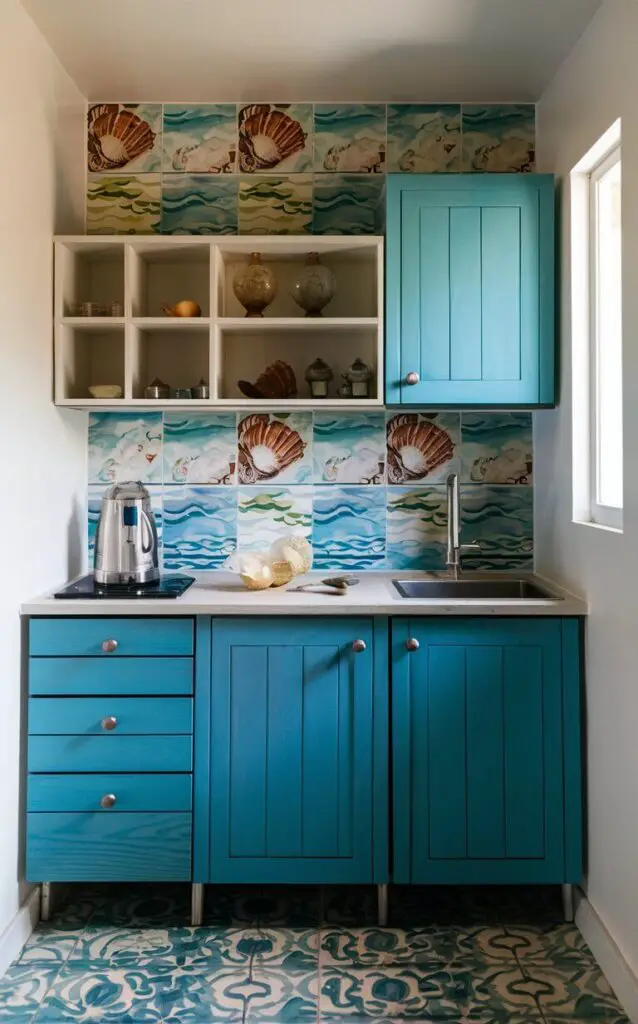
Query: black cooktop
<point x="86" y="589"/>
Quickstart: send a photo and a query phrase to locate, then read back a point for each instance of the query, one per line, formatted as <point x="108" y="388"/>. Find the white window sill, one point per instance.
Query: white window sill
<point x="598" y="526"/>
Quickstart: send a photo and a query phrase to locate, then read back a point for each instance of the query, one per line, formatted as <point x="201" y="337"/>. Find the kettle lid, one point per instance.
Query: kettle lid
<point x="127" y="490"/>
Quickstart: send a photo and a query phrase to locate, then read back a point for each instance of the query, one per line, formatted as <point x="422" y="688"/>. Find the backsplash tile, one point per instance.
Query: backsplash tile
<point x="221" y="480"/>
<point x="282" y="168"/>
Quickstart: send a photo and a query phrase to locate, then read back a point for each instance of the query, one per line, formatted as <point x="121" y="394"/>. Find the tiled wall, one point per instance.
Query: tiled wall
<point x="284" y="169"/>
<point x="367" y="489"/>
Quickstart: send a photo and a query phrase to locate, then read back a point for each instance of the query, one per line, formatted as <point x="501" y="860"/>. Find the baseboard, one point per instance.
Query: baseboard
<point x="19" y="929"/>
<point x="612" y="963"/>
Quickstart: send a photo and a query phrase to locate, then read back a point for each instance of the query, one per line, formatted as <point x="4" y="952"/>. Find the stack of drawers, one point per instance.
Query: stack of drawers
<point x="110" y="751"/>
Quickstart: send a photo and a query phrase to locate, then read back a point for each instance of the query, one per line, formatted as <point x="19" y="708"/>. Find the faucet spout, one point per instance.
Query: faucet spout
<point x="454" y="546"/>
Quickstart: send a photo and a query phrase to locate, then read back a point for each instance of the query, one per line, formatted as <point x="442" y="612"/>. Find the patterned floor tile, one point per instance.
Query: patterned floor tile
<point x="348" y="905"/>
<point x="292" y="948"/>
<point x="499" y="992"/>
<point x="22" y="990"/>
<point x="49" y="945"/>
<point x="143" y="906"/>
<point x="577" y="991"/>
<point x="437" y="992"/>
<point x="555" y="943"/>
<point x="282" y="995"/>
<point x="289" y="906"/>
<point x="206" y="947"/>
<point x="378" y="946"/>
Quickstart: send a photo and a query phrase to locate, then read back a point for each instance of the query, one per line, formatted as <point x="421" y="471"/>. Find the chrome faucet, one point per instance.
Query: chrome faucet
<point x="454" y="546"/>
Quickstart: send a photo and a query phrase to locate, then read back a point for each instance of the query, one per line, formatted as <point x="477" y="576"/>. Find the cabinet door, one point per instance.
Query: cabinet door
<point x="470" y="284"/>
<point x="478" y="751"/>
<point x="293" y="751"/>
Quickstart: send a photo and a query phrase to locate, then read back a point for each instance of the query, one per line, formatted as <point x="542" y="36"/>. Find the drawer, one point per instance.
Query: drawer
<point x="99" y="675"/>
<point x="97" y="847"/>
<point x="95" y="716"/>
<point x="85" y="637"/>
<point x="131" y="792"/>
<point x="110" y="753"/>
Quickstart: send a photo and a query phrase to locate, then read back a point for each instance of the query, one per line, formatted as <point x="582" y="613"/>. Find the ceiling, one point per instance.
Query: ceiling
<point x="322" y="50"/>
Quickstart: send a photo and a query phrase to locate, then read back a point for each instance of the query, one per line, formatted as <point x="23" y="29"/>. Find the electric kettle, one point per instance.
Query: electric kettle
<point x="126" y="538"/>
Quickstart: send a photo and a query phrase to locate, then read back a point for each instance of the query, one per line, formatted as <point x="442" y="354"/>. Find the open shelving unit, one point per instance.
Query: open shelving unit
<point x="222" y="346"/>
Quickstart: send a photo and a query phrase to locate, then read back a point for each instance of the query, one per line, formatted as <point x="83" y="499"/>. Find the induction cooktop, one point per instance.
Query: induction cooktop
<point x="86" y="589"/>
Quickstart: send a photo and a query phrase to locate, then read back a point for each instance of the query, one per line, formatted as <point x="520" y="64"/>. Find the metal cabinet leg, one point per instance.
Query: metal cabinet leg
<point x="382" y="903"/>
<point x="197" y="903"/>
<point x="568" y="902"/>
<point x="45" y="901"/>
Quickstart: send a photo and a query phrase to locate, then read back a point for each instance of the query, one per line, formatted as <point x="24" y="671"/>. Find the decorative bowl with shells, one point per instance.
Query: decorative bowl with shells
<point x="105" y="391"/>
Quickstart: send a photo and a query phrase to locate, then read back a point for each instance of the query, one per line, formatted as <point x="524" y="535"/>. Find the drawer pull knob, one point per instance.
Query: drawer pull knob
<point x="108" y="646"/>
<point x="109" y="723"/>
<point x="412" y="644"/>
<point x="358" y="646"/>
<point x="412" y="377"/>
<point x="108" y="800"/>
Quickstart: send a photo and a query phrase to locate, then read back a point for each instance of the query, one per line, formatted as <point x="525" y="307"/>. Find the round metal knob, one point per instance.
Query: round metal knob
<point x="109" y="723"/>
<point x="108" y="646"/>
<point x="412" y="377"/>
<point x="412" y="644"/>
<point x="108" y="800"/>
<point x="358" y="646"/>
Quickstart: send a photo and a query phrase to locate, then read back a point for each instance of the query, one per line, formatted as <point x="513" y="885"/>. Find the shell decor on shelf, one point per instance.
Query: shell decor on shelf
<point x="116" y="136"/>
<point x="255" y="285"/>
<point x="277" y="381"/>
<point x="266" y="137"/>
<point x="415" y="448"/>
<point x="187" y="307"/>
<point x="266" y="447"/>
<point x="314" y="286"/>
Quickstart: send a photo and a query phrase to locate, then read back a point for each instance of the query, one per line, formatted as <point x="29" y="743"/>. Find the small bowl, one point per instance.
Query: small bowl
<point x="105" y="391"/>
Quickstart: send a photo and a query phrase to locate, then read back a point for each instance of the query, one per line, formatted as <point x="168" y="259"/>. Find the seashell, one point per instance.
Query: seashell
<point x="266" y="447"/>
<point x="187" y="307"/>
<point x="282" y="573"/>
<point x="116" y="136"/>
<point x="266" y="137"/>
<point x="293" y="549"/>
<point x="277" y="381"/>
<point x="415" y="448"/>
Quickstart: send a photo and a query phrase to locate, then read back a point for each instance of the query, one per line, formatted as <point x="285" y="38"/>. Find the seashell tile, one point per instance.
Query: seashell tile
<point x="200" y="448"/>
<point x="417" y="528"/>
<point x="348" y="527"/>
<point x="125" y="446"/>
<point x="123" y="204"/>
<point x="264" y="514"/>
<point x="501" y="520"/>
<point x="497" y="447"/>
<point x="199" y="139"/>
<point x="424" y="138"/>
<point x="350" y="138"/>
<point x="199" y="204"/>
<point x="275" y="447"/>
<point x="124" y="137"/>
<point x="499" y="137"/>
<point x="348" y="204"/>
<point x="200" y="527"/>
<point x="422" y="446"/>
<point x="275" y="204"/>
<point x="349" y="449"/>
<point x="275" y="137"/>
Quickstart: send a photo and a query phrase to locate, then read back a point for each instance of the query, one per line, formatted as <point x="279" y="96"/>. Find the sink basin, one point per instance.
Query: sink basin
<point x="479" y="590"/>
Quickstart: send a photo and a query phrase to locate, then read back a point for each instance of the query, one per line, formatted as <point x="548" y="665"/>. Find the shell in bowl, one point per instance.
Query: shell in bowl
<point x="116" y="136"/>
<point x="187" y="307"/>
<point x="105" y="391"/>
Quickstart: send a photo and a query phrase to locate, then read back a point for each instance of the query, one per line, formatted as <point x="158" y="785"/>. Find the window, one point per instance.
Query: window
<point x="597" y="333"/>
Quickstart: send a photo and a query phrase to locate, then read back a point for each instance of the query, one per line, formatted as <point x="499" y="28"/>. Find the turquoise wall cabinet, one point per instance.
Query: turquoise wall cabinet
<point x="296" y="786"/>
<point x="470" y="290"/>
<point x="486" y="749"/>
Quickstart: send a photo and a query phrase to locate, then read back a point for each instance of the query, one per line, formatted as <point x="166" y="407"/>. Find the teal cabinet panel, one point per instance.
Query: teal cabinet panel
<point x="481" y="784"/>
<point x="110" y="753"/>
<point x="126" y="676"/>
<point x="294" y="751"/>
<point x="98" y="847"/>
<point x="153" y="792"/>
<point x="133" y="636"/>
<point x="133" y="715"/>
<point x="470" y="290"/>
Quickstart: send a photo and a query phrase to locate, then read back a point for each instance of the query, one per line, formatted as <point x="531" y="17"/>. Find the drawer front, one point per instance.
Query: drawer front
<point x="85" y="676"/>
<point x="85" y="637"/>
<point x="131" y="792"/>
<point x="95" y="716"/>
<point x="110" y="753"/>
<point x="96" y="847"/>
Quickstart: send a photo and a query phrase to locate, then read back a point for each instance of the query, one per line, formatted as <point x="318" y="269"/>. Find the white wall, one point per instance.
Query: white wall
<point x="42" y="451"/>
<point x="597" y="84"/>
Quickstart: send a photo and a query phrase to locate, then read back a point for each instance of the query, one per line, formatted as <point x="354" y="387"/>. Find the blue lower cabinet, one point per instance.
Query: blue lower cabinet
<point x="486" y="759"/>
<point x="295" y="787"/>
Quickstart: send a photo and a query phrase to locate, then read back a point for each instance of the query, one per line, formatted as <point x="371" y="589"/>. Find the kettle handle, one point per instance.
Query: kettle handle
<point x="147" y="533"/>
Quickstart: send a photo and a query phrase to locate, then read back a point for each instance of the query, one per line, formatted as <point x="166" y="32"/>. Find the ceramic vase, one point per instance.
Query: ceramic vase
<point x="255" y="286"/>
<point x="314" y="286"/>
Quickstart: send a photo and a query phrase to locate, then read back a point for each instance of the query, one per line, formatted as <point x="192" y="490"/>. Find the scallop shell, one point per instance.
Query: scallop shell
<point x="266" y="137"/>
<point x="277" y="381"/>
<point x="116" y="136"/>
<point x="266" y="447"/>
<point x="415" y="448"/>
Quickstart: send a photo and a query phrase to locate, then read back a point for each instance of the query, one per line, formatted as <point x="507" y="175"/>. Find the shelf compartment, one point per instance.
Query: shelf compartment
<point x="179" y="358"/>
<point x="88" y="272"/>
<point x="89" y="355"/>
<point x="163" y="275"/>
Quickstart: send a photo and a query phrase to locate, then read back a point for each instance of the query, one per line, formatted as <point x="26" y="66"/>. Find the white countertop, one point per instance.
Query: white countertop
<point x="222" y="593"/>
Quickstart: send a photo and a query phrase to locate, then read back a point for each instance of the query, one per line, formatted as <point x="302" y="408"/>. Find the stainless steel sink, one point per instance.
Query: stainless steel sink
<point x="479" y="590"/>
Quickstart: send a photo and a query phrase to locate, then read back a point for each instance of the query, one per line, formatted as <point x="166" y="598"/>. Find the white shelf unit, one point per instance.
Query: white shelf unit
<point x="222" y="346"/>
